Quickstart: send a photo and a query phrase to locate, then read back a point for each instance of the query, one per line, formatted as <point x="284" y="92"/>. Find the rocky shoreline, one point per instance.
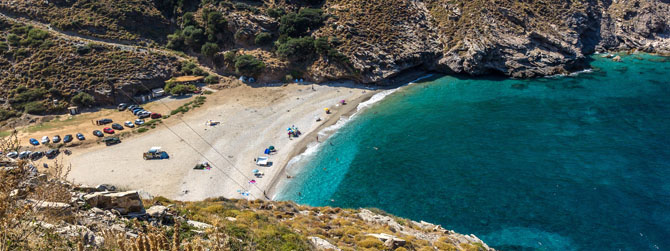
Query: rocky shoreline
<point x="102" y="218"/>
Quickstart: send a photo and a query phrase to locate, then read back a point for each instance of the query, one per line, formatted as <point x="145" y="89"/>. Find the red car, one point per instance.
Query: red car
<point x="156" y="115"/>
<point x="108" y="130"/>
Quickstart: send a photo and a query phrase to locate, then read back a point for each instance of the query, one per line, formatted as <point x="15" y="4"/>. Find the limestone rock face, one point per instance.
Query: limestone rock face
<point x="124" y="202"/>
<point x="517" y="39"/>
<point x="321" y="244"/>
<point x="157" y="211"/>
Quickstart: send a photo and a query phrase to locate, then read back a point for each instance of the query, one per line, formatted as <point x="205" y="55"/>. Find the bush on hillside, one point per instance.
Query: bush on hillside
<point x="182" y="89"/>
<point x="209" y="49"/>
<point x="6" y="114"/>
<point x="83" y="99"/>
<point x="296" y="48"/>
<point x="248" y="65"/>
<point x="275" y="12"/>
<point x="263" y="38"/>
<point x="298" y="24"/>
<point x="211" y="79"/>
<point x="35" y="108"/>
<point x="321" y="45"/>
<point x="28" y="95"/>
<point x="216" y="22"/>
<point x="193" y="37"/>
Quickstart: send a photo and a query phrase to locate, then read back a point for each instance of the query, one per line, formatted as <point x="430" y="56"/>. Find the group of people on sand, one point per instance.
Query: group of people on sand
<point x="293" y="132"/>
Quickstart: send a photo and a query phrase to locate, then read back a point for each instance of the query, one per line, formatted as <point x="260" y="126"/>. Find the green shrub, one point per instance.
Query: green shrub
<point x="4" y="47"/>
<point x="13" y="39"/>
<point x="211" y="79"/>
<point x="35" y="108"/>
<point x="207" y="92"/>
<point x="263" y="38"/>
<point x="337" y="56"/>
<point x="6" y="114"/>
<point x="216" y="22"/>
<point x="248" y="65"/>
<point x="81" y="50"/>
<point x="229" y="57"/>
<point x="193" y="37"/>
<point x="28" y="95"/>
<point x="189" y="19"/>
<point x="143" y="129"/>
<point x="83" y="99"/>
<point x="182" y="89"/>
<point x="296" y="48"/>
<point x="297" y="24"/>
<point x="275" y="12"/>
<point x="209" y="49"/>
<point x="176" y="40"/>
<point x="321" y="45"/>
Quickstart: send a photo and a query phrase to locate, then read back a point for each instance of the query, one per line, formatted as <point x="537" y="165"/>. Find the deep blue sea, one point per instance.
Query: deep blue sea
<point x="578" y="162"/>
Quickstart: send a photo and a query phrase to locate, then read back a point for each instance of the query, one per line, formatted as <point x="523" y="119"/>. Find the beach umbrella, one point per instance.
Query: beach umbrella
<point x="271" y="148"/>
<point x="255" y="171"/>
<point x="252" y="182"/>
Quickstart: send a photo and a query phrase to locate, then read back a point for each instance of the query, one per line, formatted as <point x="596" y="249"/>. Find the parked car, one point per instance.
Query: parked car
<point x="68" y="138"/>
<point x="24" y="154"/>
<point x="143" y="115"/>
<point x="55" y="139"/>
<point x="111" y="140"/>
<point x="156" y="115"/>
<point x="129" y="124"/>
<point x="108" y="130"/>
<point x="80" y="136"/>
<point x="117" y="126"/>
<point x="34" y="142"/>
<point x="52" y="153"/>
<point x="139" y="122"/>
<point x="138" y="111"/>
<point x="98" y="133"/>
<point x="122" y="106"/>
<point x="13" y="155"/>
<point x="36" y="155"/>
<point x="131" y="107"/>
<point x="104" y="121"/>
<point x="45" y="139"/>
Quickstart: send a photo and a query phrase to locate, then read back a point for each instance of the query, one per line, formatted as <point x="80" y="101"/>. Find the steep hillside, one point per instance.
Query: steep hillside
<point x="42" y="73"/>
<point x="371" y="41"/>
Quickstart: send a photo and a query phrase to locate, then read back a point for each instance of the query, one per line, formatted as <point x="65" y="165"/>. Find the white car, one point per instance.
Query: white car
<point x="13" y="155"/>
<point x="45" y="139"/>
<point x="129" y="124"/>
<point x="139" y="121"/>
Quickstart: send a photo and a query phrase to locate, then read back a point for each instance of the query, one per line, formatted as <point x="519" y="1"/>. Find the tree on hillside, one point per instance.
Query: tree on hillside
<point x="83" y="99"/>
<point x="248" y="65"/>
<point x="209" y="49"/>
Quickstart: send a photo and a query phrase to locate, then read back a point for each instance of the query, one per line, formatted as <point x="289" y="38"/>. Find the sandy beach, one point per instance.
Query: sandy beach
<point x="252" y="118"/>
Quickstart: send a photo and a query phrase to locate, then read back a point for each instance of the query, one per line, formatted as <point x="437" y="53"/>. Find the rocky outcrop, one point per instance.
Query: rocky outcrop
<point x="321" y="244"/>
<point x="518" y="39"/>
<point x="123" y="202"/>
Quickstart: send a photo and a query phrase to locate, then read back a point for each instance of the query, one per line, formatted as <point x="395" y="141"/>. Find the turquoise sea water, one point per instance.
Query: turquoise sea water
<point x="567" y="163"/>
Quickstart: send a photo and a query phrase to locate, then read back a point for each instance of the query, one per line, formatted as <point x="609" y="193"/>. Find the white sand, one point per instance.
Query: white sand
<point x="251" y="120"/>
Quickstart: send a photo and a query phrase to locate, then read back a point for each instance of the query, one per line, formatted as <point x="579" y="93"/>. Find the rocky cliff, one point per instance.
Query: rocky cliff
<point x="514" y="38"/>
<point x="375" y="40"/>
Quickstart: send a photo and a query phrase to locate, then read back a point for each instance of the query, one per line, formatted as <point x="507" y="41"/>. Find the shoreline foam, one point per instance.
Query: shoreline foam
<point x="324" y="132"/>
